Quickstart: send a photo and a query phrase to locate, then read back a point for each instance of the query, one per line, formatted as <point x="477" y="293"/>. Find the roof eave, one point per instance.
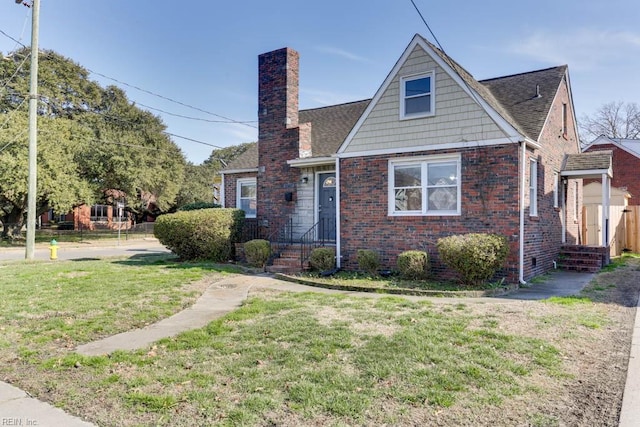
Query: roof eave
<point x="310" y="162"/>
<point x="232" y="171"/>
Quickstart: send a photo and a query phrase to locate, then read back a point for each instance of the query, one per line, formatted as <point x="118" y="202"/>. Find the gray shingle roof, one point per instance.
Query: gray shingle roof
<point x="518" y="95"/>
<point x="592" y="160"/>
<point x="514" y="97"/>
<point x="331" y="125"/>
<point x="247" y="160"/>
<point x="329" y="128"/>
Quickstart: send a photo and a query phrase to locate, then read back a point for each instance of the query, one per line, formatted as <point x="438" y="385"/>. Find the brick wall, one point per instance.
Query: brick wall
<point x="543" y="234"/>
<point x="489" y="203"/>
<point x="625" y="171"/>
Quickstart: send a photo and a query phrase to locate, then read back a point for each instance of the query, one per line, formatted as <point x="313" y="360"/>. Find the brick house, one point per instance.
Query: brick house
<point x="626" y="163"/>
<point x="433" y="153"/>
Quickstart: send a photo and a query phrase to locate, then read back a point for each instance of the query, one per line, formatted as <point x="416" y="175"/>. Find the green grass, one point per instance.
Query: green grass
<point x="280" y="359"/>
<point x="78" y="301"/>
<point x="358" y="279"/>
<point x="281" y="353"/>
<point x="620" y="261"/>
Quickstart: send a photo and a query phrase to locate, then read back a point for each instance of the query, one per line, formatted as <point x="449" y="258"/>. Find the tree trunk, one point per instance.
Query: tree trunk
<point x="12" y="224"/>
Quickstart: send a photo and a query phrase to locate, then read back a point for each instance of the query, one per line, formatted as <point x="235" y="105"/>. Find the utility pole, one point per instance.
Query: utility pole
<point x="33" y="134"/>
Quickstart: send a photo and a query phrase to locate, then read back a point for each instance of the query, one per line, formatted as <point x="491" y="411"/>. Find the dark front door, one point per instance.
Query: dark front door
<point x="327" y="206"/>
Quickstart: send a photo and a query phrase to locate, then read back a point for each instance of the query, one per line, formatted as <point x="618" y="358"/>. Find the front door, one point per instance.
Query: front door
<point x="327" y="206"/>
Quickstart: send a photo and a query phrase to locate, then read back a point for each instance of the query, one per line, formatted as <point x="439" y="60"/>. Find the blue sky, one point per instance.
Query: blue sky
<point x="204" y="53"/>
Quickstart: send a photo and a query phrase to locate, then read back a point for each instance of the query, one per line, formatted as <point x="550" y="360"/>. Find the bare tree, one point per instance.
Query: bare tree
<point x="615" y="120"/>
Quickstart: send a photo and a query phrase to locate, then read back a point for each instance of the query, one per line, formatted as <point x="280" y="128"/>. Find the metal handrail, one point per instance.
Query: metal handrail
<point x="315" y="237"/>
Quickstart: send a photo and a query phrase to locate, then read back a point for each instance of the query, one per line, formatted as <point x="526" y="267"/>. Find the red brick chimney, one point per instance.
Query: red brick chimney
<point x="278" y="135"/>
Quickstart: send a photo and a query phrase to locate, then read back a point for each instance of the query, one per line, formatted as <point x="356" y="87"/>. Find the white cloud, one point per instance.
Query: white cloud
<point x="341" y="53"/>
<point x="581" y="49"/>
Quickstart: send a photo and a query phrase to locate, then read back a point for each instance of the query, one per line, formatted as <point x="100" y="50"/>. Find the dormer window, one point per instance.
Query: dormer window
<point x="417" y="96"/>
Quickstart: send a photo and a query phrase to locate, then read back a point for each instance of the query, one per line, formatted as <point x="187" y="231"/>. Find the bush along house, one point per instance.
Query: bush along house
<point x="433" y="153"/>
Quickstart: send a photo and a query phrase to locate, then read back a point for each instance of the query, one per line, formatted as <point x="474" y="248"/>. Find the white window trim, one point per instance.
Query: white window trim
<point x="412" y="161"/>
<point x="533" y="187"/>
<point x="239" y="183"/>
<point x="556" y="189"/>
<point x="432" y="108"/>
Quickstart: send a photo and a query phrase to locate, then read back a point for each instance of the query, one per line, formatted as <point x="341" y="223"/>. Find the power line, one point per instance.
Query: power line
<point x="15" y="73"/>
<point x="224" y="118"/>
<point x="192" y="118"/>
<point x="9" y="37"/>
<point x="193" y="140"/>
<point x="173" y="100"/>
<point x="427" y="25"/>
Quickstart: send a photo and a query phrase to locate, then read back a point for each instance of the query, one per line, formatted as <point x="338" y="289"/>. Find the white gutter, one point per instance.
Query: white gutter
<point x="338" y="239"/>
<point x="522" y="196"/>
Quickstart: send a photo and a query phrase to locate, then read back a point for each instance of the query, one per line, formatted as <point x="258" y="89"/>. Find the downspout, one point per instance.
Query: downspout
<point x="222" y="201"/>
<point x="522" y="196"/>
<point x="338" y="237"/>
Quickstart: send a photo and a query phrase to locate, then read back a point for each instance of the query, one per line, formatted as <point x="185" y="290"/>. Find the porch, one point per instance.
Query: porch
<point x="291" y="243"/>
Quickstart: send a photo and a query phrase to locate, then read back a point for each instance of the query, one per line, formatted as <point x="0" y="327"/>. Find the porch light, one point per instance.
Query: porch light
<point x="305" y="179"/>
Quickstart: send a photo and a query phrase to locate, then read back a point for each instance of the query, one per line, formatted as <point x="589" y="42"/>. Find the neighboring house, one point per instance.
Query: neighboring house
<point x="624" y="218"/>
<point x="626" y="163"/>
<point x="85" y="217"/>
<point x="433" y="153"/>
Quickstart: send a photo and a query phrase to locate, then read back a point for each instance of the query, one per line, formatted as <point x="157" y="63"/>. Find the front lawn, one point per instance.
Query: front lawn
<point x="306" y="358"/>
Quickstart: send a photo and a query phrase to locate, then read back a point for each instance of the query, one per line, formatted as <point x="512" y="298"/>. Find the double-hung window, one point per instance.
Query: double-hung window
<point x="246" y="196"/>
<point x="417" y="95"/>
<point x="533" y="187"/>
<point x="426" y="186"/>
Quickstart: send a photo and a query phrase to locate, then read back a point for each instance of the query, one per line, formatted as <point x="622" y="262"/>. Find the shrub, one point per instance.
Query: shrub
<point x="200" y="234"/>
<point x="257" y="252"/>
<point x="413" y="264"/>
<point x="475" y="257"/>
<point x="323" y="259"/>
<point x="198" y="205"/>
<point x="368" y="261"/>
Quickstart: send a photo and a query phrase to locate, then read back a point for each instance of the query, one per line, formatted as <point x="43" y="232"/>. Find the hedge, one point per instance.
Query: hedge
<point x="200" y="234"/>
<point x="476" y="257"/>
<point x="257" y="252"/>
<point x="323" y="259"/>
<point x="413" y="264"/>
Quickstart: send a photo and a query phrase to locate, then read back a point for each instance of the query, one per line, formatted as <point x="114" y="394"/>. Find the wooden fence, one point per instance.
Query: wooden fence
<point x="624" y="227"/>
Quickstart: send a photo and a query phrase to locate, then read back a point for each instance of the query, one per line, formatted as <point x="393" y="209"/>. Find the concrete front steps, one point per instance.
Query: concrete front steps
<point x="289" y="261"/>
<point x="588" y="259"/>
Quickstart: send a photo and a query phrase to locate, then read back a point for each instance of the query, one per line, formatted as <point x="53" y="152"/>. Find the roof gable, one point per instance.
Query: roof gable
<point x="631" y="146"/>
<point x="463" y="81"/>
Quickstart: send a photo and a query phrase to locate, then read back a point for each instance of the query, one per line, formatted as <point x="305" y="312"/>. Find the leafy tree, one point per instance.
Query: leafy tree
<point x="614" y="119"/>
<point x="93" y="143"/>
<point x="59" y="184"/>
<point x="199" y="179"/>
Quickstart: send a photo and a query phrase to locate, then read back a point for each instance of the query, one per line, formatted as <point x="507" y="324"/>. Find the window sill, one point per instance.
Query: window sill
<point x="535" y="218"/>
<point x="416" y="116"/>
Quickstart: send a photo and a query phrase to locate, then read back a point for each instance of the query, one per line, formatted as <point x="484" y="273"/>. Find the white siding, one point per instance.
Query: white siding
<point x="458" y="118"/>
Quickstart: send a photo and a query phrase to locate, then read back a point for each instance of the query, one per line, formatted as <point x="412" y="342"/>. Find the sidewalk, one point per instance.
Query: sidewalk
<point x="226" y="295"/>
<point x="19" y="409"/>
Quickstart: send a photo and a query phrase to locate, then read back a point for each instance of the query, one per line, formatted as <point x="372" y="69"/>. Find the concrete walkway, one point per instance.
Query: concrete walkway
<point x="228" y="294"/>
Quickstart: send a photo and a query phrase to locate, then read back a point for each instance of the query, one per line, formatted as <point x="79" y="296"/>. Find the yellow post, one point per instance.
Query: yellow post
<point x="53" y="248"/>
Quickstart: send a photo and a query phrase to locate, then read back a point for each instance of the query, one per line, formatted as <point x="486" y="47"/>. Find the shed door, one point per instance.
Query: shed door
<point x="327" y="206"/>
